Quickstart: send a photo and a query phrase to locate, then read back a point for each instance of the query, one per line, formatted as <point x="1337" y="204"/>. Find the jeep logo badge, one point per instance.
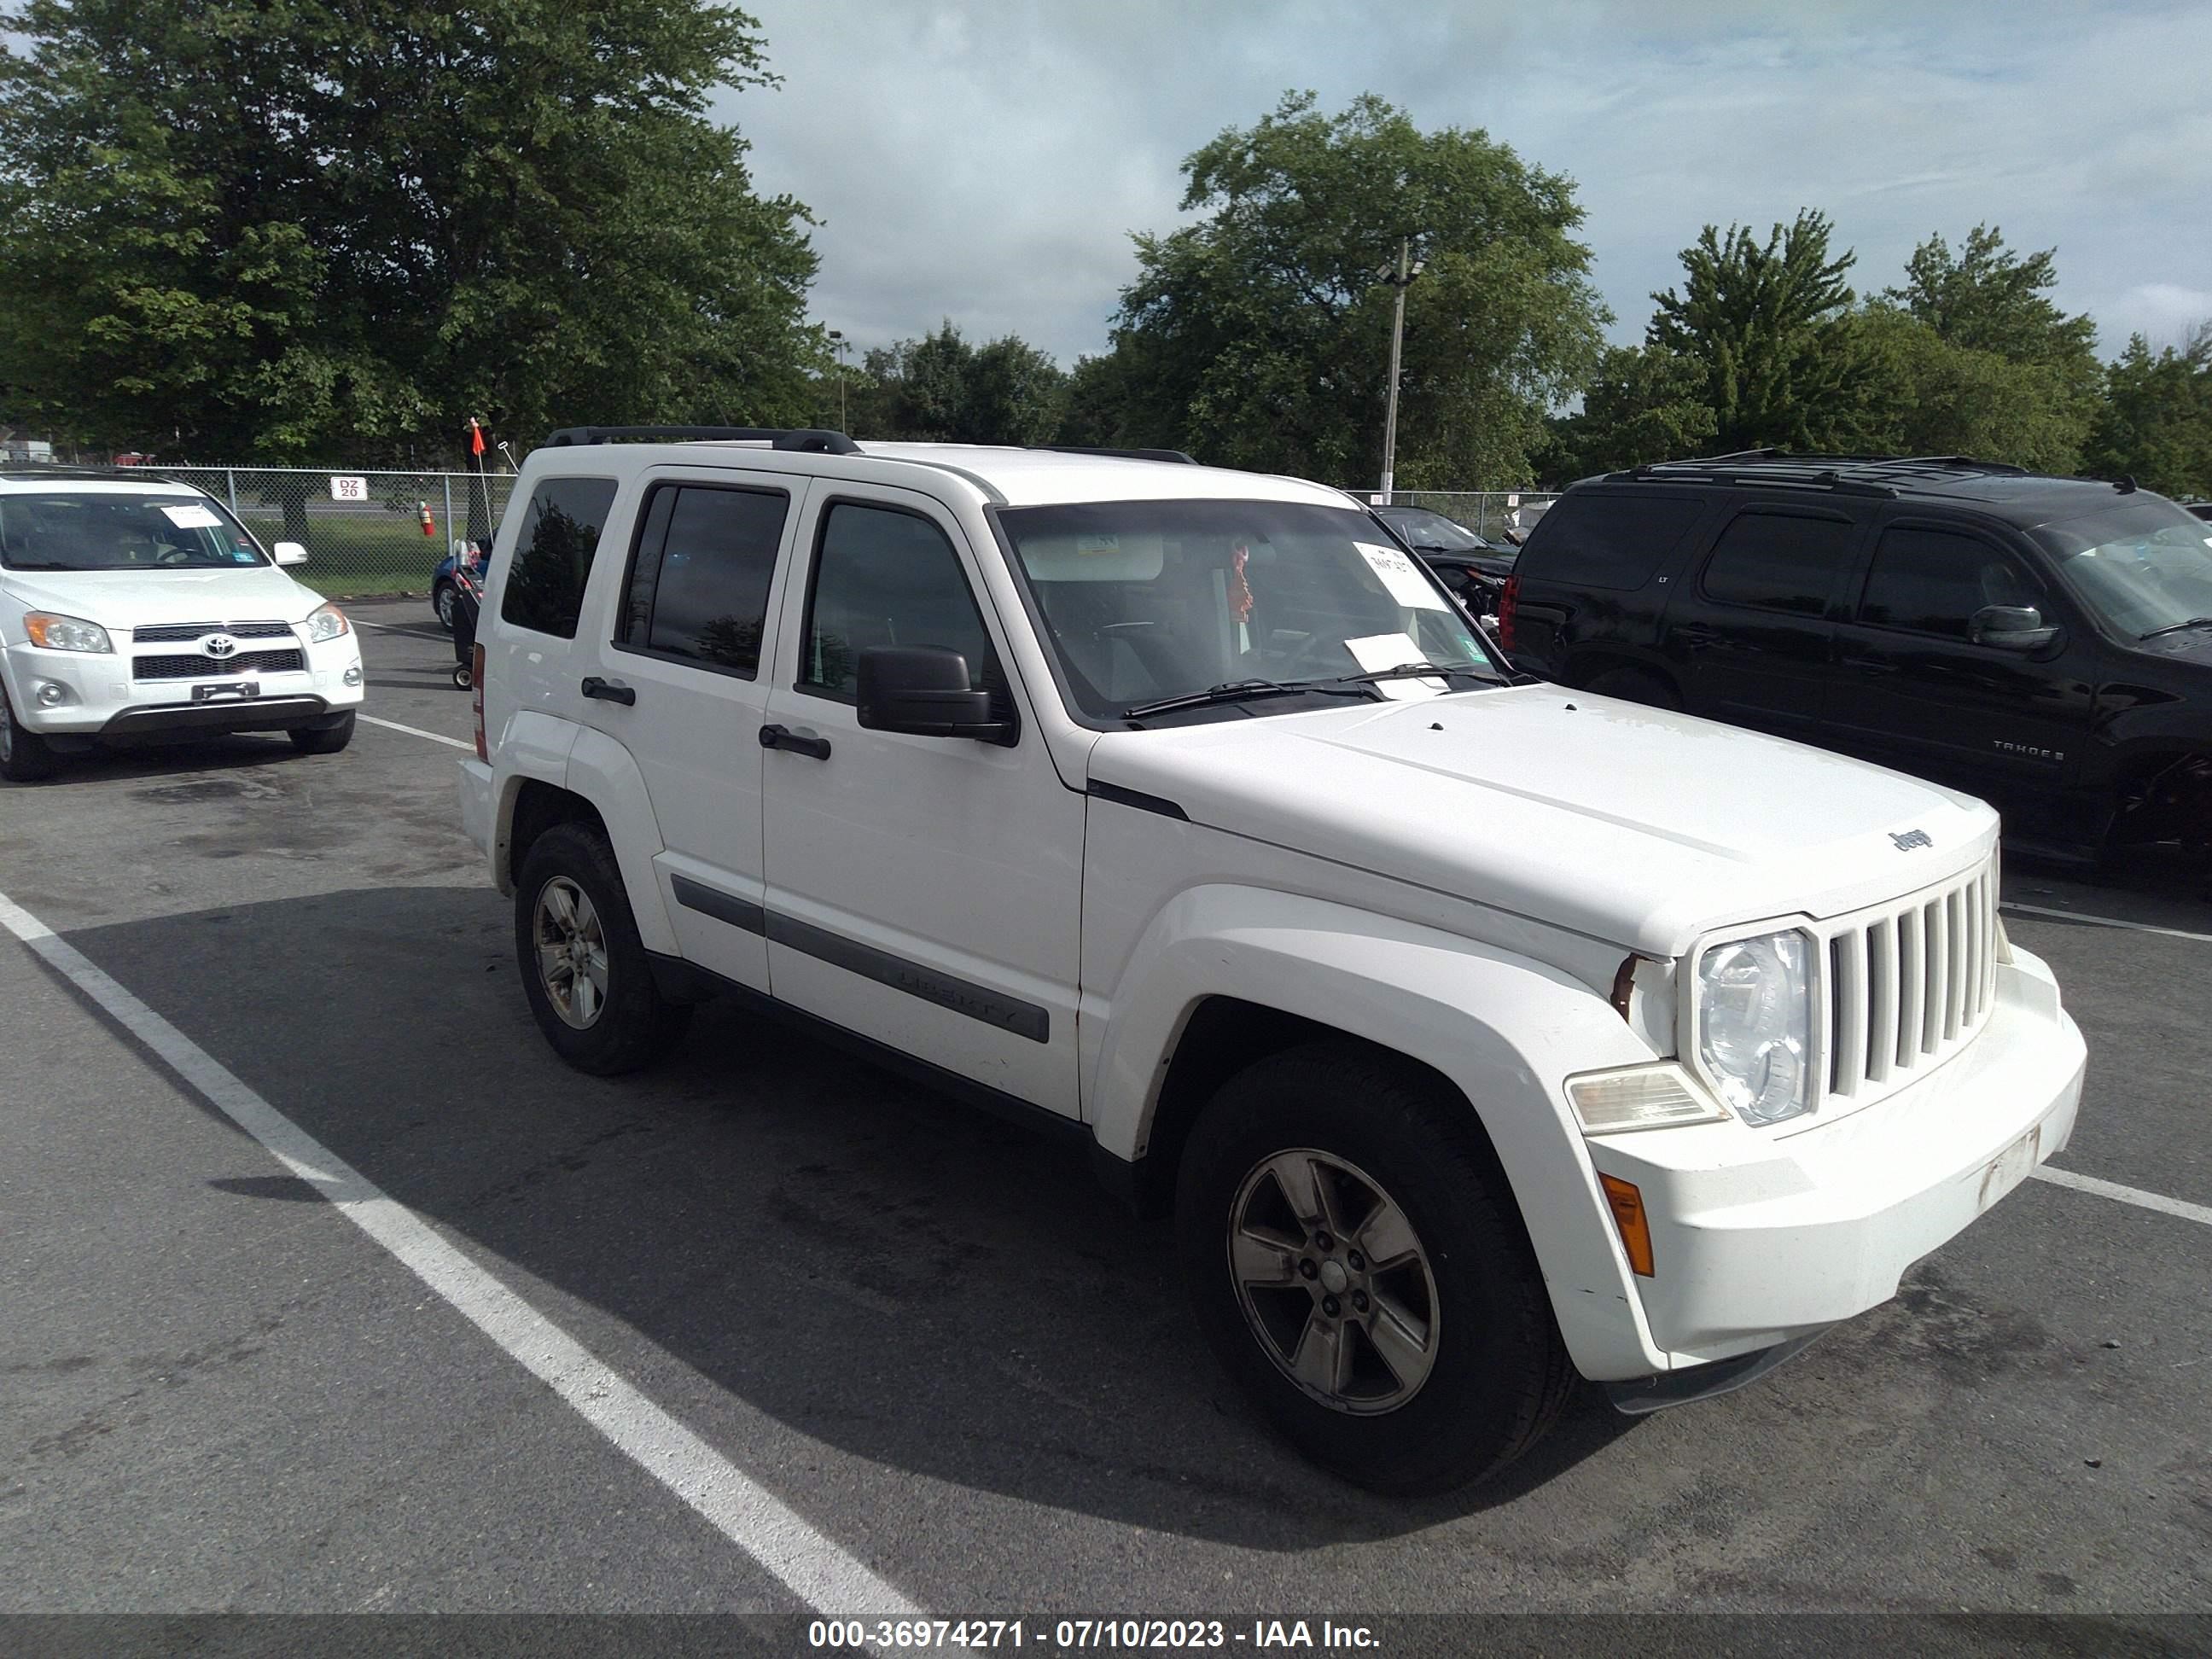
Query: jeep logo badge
<point x="1911" y="839"/>
<point x="218" y="644"/>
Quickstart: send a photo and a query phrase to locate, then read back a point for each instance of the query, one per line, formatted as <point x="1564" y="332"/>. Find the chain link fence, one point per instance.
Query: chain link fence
<point x="1489" y="513"/>
<point x="364" y="531"/>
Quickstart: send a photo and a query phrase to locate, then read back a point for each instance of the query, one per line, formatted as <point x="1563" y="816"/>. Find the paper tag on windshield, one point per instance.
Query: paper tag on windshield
<point x="1380" y="651"/>
<point x="1085" y="546"/>
<point x="192" y="518"/>
<point x="1408" y="585"/>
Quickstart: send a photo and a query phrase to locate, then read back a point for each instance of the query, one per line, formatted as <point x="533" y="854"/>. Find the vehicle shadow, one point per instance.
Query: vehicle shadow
<point x="162" y="756"/>
<point x="873" y="1266"/>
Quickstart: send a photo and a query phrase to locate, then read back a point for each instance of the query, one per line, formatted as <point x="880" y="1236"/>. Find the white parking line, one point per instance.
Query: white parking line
<point x="804" y="1560"/>
<point x="2135" y="1195"/>
<point x="416" y="732"/>
<point x="2104" y="921"/>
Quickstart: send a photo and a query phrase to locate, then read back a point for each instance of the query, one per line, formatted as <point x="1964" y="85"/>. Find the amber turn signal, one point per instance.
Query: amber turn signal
<point x="1628" y="1217"/>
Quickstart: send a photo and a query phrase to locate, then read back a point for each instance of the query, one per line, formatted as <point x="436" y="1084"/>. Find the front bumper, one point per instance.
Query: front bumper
<point x="1760" y="1238"/>
<point x="75" y="694"/>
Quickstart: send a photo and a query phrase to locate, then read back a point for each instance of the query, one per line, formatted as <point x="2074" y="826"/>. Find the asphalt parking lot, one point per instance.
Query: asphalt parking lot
<point x="901" y="1349"/>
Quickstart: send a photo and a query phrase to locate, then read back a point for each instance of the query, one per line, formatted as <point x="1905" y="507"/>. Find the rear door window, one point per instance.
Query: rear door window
<point x="699" y="582"/>
<point x="1610" y="540"/>
<point x="1926" y="580"/>
<point x="1779" y="561"/>
<point x="553" y="551"/>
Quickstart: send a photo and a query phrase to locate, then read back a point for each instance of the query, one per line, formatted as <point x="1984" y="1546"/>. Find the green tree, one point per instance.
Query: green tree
<point x="1936" y="398"/>
<point x="1645" y="404"/>
<point x="2155" y="423"/>
<point x="1260" y="336"/>
<point x="1784" y="360"/>
<point x="1987" y="298"/>
<point x="308" y="229"/>
<point x="941" y="389"/>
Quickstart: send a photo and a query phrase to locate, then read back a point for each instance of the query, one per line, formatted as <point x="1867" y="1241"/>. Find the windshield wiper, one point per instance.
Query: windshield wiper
<point x="2175" y="627"/>
<point x="1233" y="691"/>
<point x="1423" y="670"/>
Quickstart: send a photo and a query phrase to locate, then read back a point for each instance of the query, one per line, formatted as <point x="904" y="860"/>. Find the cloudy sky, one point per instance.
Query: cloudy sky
<point x="985" y="160"/>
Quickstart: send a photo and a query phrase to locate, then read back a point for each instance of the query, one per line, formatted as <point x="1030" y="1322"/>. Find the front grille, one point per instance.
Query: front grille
<point x="1910" y="983"/>
<point x="197" y="668"/>
<point x="172" y="632"/>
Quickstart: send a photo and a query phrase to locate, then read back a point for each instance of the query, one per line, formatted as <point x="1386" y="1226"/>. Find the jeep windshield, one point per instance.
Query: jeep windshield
<point x="112" y="530"/>
<point x="1233" y="608"/>
<point x="2144" y="567"/>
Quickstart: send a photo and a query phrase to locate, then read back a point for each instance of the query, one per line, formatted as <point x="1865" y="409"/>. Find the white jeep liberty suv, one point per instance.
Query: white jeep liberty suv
<point x="1479" y="1032"/>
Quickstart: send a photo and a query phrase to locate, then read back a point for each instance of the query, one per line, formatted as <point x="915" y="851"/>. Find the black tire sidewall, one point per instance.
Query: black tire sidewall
<point x="322" y="739"/>
<point x="30" y="757"/>
<point x="635" y="1022"/>
<point x="1494" y="1384"/>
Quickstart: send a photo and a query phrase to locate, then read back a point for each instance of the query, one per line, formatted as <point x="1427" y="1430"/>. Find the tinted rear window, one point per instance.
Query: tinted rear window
<point x="1778" y="560"/>
<point x="1607" y="540"/>
<point x="553" y="554"/>
<point x="699" y="586"/>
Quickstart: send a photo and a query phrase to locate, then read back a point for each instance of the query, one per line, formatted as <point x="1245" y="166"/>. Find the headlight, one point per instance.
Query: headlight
<point x="65" y="633"/>
<point x="1755" y="1025"/>
<point x="324" y="621"/>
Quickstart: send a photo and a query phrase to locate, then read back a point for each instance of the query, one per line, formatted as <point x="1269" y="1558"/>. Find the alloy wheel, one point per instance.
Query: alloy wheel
<point x="571" y="952"/>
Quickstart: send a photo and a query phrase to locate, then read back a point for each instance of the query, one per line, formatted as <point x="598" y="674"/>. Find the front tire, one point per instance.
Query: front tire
<point x="1354" y="1257"/>
<point x="443" y="601"/>
<point x="24" y="757"/>
<point x="584" y="968"/>
<point x="322" y="739"/>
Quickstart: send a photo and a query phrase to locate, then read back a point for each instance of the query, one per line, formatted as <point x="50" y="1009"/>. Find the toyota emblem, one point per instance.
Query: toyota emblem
<point x="218" y="644"/>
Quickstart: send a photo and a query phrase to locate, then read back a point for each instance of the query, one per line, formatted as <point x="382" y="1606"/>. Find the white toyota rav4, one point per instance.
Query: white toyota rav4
<point x="130" y="606"/>
<point x="1478" y="1032"/>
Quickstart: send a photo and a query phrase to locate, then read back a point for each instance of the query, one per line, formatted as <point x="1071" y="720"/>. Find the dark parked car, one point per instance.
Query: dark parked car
<point x="2202" y="509"/>
<point x="1471" y="567"/>
<point x="2043" y="642"/>
<point x="443" y="595"/>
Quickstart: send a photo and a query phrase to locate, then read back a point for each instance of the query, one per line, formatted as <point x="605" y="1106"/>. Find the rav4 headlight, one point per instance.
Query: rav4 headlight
<point x="65" y="633"/>
<point x="1755" y="1025"/>
<point x="324" y="621"/>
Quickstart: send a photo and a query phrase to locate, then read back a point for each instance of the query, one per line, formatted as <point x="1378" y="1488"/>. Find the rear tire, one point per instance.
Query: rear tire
<point x="1638" y="685"/>
<point x="1469" y="1371"/>
<point x="584" y="968"/>
<point x="442" y="601"/>
<point x="24" y="757"/>
<point x="322" y="740"/>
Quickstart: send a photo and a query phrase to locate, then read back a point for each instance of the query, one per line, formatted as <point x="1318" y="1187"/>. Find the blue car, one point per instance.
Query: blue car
<point x="442" y="593"/>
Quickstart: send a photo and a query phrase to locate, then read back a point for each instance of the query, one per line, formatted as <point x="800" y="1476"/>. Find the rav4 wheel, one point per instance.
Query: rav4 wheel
<point x="24" y="757"/>
<point x="584" y="968"/>
<point x="322" y="740"/>
<point x="1358" y="1265"/>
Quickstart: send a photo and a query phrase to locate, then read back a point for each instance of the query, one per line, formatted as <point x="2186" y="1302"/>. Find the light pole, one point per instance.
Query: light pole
<point x="843" y="346"/>
<point x="1401" y="279"/>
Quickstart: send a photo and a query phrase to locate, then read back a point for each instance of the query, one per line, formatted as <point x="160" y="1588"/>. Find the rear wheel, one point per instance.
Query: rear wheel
<point x="1638" y="685"/>
<point x="322" y="740"/>
<point x="584" y="968"/>
<point x="1354" y="1257"/>
<point x="442" y="601"/>
<point x="24" y="757"/>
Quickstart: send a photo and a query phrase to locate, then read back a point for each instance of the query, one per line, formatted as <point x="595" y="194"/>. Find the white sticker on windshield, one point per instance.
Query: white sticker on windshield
<point x="1408" y="585"/>
<point x="192" y="518"/>
<point x="1380" y="651"/>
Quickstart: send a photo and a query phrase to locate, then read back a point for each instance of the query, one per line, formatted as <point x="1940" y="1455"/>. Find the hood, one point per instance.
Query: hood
<point x="123" y="599"/>
<point x="1626" y="823"/>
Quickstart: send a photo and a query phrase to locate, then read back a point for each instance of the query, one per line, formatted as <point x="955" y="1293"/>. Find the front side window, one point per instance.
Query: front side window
<point x="553" y="550"/>
<point x="111" y="529"/>
<point x="1778" y="560"/>
<point x="1933" y="581"/>
<point x="1147" y="601"/>
<point x="885" y="577"/>
<point x="698" y="588"/>
<point x="2142" y="566"/>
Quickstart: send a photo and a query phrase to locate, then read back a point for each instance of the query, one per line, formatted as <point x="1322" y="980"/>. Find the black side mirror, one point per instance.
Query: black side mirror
<point x="2009" y="627"/>
<point x="924" y="690"/>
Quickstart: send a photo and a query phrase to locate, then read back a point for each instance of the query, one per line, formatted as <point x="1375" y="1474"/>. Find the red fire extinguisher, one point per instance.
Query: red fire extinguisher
<point x="429" y="525"/>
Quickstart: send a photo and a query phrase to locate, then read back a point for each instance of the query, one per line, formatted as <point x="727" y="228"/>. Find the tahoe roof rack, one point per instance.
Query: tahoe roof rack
<point x="808" y="439"/>
<point x="1844" y="475"/>
<point x="1123" y="454"/>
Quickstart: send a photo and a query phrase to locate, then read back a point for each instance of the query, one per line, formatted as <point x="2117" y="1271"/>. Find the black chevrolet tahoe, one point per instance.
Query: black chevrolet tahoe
<point x="2043" y="642"/>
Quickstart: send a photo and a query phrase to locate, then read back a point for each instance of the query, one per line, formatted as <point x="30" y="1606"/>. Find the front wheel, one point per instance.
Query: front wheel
<point x="322" y="740"/>
<point x="24" y="757"/>
<point x="1357" y="1263"/>
<point x="443" y="602"/>
<point x="584" y="967"/>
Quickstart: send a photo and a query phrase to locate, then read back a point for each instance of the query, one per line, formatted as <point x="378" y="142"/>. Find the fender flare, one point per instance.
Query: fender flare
<point x="604" y="773"/>
<point x="1504" y="1029"/>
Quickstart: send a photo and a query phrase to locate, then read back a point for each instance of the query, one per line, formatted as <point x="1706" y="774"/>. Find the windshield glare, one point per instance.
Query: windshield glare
<point x="111" y="530"/>
<point x="2141" y="567"/>
<point x="1425" y="528"/>
<point x="1147" y="600"/>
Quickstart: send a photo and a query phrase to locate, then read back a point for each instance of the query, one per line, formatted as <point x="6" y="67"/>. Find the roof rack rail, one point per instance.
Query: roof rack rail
<point x="1123" y="454"/>
<point x="808" y="439"/>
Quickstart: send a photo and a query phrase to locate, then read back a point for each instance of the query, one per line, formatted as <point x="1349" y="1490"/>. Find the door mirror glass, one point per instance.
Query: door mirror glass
<point x="925" y="690"/>
<point x="290" y="553"/>
<point x="2010" y="628"/>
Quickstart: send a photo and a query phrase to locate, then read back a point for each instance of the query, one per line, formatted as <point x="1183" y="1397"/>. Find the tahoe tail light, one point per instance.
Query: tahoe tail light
<point x="1506" y="601"/>
<point x="476" y="698"/>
